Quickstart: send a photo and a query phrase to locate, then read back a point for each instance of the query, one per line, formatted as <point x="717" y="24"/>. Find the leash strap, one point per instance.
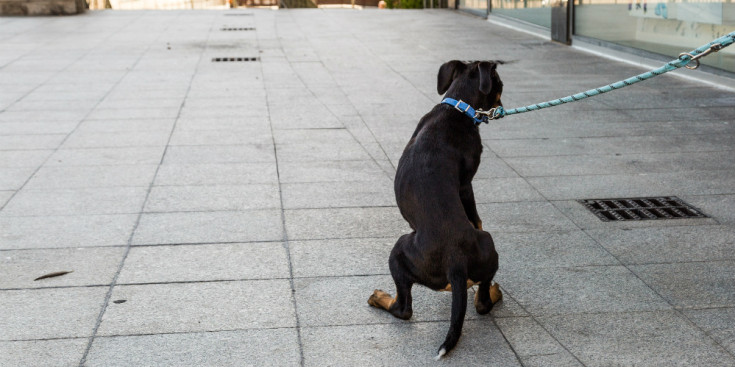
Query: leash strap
<point x="683" y="60"/>
<point x="466" y="109"/>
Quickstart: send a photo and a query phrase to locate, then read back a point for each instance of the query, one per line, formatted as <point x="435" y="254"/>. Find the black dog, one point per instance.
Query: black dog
<point x="447" y="250"/>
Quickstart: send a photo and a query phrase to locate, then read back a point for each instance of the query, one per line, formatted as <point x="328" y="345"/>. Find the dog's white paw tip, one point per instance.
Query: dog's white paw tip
<point x="441" y="354"/>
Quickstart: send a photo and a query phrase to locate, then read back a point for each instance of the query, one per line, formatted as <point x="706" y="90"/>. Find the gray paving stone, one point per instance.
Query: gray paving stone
<point x="306" y="151"/>
<point x="393" y="151"/>
<point x="209" y="227"/>
<point x="405" y="344"/>
<point x="329" y="171"/>
<point x="609" y="145"/>
<point x="137" y="125"/>
<point x="65" y="231"/>
<point x="522" y="217"/>
<point x="214" y="113"/>
<point x="621" y="164"/>
<point x="23" y="158"/>
<point x="699" y="182"/>
<point x="49" y="115"/>
<point x="264" y="347"/>
<point x="134" y="113"/>
<point x="50" y="313"/>
<point x="317" y="310"/>
<point x="14" y="178"/>
<point x="138" y="103"/>
<point x="196" y="307"/>
<point x="84" y="139"/>
<point x="232" y="123"/>
<point x="718" y="207"/>
<point x="312" y="137"/>
<point x="220" y="154"/>
<point x="88" y="266"/>
<point x="255" y="98"/>
<point x="121" y="92"/>
<point x="641" y="338"/>
<point x="25" y="142"/>
<point x="391" y="129"/>
<point x="519" y="251"/>
<point x="668" y="244"/>
<point x="88" y="201"/>
<point x="260" y="136"/>
<point x="56" y="352"/>
<point x="106" y="156"/>
<point x="497" y="190"/>
<point x="691" y="285"/>
<point x="338" y="194"/>
<point x="598" y="187"/>
<point x="160" y="264"/>
<point x="5" y="196"/>
<point x="91" y="176"/>
<point x="717" y="323"/>
<point x="363" y="256"/>
<point x="304" y="224"/>
<point x="527" y="337"/>
<point x="550" y="291"/>
<point x="550" y="360"/>
<point x="36" y="128"/>
<point x="212" y="198"/>
<point x="217" y="174"/>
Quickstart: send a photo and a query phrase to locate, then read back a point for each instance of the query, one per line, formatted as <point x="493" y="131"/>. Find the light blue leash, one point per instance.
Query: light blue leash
<point x="683" y="60"/>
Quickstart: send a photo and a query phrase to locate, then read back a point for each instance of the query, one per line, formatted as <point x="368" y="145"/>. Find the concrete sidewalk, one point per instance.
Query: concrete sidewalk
<point x="241" y="213"/>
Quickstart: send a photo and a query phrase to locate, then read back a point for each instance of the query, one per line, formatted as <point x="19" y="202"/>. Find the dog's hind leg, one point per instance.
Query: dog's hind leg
<point x="458" y="280"/>
<point x="399" y="306"/>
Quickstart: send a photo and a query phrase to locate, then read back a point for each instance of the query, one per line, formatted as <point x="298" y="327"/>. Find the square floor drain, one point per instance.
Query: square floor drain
<point x="626" y="209"/>
<point x="234" y="59"/>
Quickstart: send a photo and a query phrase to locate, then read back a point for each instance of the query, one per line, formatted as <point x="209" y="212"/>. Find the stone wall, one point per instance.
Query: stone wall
<point x="41" y="7"/>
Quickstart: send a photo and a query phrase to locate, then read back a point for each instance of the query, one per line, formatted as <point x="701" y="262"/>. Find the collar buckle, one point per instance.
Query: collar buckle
<point x="458" y="108"/>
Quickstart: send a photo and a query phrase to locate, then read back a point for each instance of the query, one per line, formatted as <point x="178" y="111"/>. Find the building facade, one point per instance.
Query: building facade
<point x="663" y="27"/>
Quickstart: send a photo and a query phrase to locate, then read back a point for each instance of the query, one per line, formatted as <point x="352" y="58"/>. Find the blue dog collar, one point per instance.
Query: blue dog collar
<point x="466" y="109"/>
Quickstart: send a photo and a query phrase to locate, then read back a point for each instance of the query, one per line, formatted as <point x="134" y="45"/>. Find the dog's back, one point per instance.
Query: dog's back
<point x="442" y="155"/>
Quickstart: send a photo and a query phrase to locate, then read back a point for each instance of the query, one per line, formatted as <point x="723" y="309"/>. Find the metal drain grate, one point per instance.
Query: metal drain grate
<point x="666" y="207"/>
<point x="237" y="29"/>
<point x="234" y="59"/>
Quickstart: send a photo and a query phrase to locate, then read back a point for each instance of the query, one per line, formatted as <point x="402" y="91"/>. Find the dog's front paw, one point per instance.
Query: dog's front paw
<point x="495" y="294"/>
<point x="484" y="306"/>
<point x="378" y="299"/>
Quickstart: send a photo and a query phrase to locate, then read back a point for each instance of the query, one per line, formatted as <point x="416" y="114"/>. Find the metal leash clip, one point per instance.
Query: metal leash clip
<point x="491" y="114"/>
<point x="714" y="48"/>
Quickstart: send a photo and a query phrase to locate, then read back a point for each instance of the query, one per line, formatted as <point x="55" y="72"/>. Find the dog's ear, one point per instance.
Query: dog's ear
<point x="486" y="76"/>
<point x="447" y="73"/>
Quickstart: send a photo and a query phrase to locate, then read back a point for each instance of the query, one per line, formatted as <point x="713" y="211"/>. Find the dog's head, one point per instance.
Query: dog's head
<point x="475" y="82"/>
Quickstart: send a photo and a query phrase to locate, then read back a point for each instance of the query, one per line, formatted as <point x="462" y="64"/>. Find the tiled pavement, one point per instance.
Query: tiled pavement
<point x="241" y="213"/>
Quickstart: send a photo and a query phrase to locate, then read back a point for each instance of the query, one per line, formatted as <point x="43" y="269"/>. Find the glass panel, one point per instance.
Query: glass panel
<point x="475" y="6"/>
<point x="668" y="28"/>
<point x="533" y="11"/>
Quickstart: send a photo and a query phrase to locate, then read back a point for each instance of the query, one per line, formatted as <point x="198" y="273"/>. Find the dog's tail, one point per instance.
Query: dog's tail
<point x="458" y="280"/>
